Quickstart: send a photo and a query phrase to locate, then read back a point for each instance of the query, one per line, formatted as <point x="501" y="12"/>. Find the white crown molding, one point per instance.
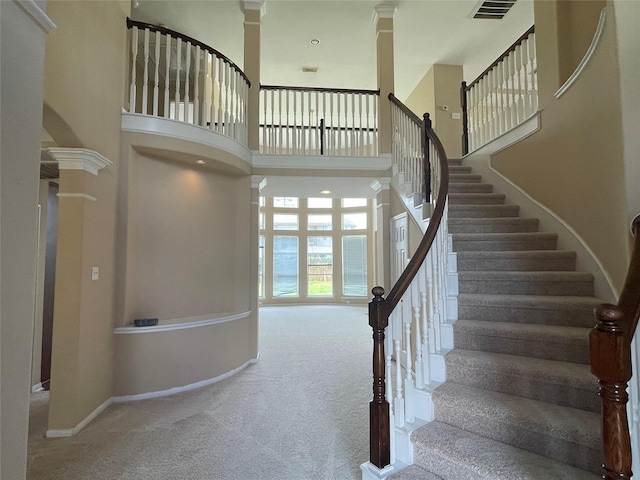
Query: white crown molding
<point x="78" y="159"/>
<point x="380" y="184"/>
<point x="37" y="14"/>
<point x="77" y="195"/>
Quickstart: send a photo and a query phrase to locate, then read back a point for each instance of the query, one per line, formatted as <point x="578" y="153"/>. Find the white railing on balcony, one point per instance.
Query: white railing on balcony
<point x="318" y="121"/>
<point x="177" y="77"/>
<point x="503" y="96"/>
<point x="408" y="324"/>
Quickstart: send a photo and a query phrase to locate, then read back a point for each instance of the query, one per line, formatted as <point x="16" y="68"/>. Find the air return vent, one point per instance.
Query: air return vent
<point x="493" y="9"/>
<point x="310" y="69"/>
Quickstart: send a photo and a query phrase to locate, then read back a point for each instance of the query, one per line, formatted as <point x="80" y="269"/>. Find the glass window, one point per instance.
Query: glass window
<point x="354" y="202"/>
<point x="285" y="221"/>
<point x="261" y="266"/>
<point x="261" y="202"/>
<point x="354" y="221"/>
<point x="261" y="221"/>
<point x="319" y="222"/>
<point x="320" y="266"/>
<point x="285" y="266"/>
<point x="319" y="202"/>
<point x="354" y="266"/>
<point x="285" y="202"/>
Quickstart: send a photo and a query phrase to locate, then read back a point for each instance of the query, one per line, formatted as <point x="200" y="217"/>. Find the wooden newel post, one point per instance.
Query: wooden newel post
<point x="611" y="363"/>
<point x="426" y="163"/>
<point x="380" y="436"/>
<point x="465" y="118"/>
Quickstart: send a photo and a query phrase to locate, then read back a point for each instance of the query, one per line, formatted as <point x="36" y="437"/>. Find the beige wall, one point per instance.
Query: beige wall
<point x="574" y="165"/>
<point x="439" y="88"/>
<point x="22" y="53"/>
<point x="190" y="241"/>
<point x="84" y="90"/>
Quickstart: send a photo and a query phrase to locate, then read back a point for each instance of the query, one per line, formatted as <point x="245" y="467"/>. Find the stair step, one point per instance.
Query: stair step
<point x="476" y="199"/>
<point x="569" y="311"/>
<point x="524" y="260"/>
<point x="464" y="178"/>
<point x="561" y="383"/>
<point x="483" y="211"/>
<point x="470" y="188"/>
<point x="564" y="434"/>
<point x="414" y="472"/>
<point x="566" y="344"/>
<point x="504" y="241"/>
<point x="493" y="225"/>
<point x="455" y="161"/>
<point x="526" y="283"/>
<point x="459" y="169"/>
<point x="455" y="454"/>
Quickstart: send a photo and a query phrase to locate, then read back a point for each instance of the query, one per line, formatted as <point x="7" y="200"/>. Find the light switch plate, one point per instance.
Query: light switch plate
<point x="95" y="273"/>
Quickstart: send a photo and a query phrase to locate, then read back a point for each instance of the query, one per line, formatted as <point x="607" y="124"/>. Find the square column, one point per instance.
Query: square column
<point x="253" y="12"/>
<point x="383" y="19"/>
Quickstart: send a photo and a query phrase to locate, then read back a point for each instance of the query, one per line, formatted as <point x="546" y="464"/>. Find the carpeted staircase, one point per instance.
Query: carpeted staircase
<point x="519" y="401"/>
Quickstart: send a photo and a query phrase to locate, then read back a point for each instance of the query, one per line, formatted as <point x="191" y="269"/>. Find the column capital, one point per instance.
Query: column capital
<point x="78" y="159"/>
<point x="258" y="181"/>
<point x="380" y="184"/>
<point x="384" y="10"/>
<point x="255" y="5"/>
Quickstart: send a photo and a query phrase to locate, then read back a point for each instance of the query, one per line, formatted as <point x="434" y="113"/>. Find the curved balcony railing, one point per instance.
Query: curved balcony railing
<point x="406" y="324"/>
<point x="177" y="77"/>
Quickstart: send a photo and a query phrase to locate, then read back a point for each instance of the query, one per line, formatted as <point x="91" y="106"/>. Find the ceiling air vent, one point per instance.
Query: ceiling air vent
<point x="493" y="9"/>
<point x="310" y="69"/>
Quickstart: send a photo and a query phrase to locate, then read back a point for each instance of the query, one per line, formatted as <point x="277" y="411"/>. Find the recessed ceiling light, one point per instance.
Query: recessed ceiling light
<point x="201" y="162"/>
<point x="314" y="41"/>
<point x="325" y="192"/>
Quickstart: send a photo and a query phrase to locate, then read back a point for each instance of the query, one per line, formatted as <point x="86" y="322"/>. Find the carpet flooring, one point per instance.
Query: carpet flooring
<point x="300" y="413"/>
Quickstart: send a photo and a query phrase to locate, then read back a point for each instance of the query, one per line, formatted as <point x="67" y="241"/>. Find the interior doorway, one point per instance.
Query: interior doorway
<point x="49" y="284"/>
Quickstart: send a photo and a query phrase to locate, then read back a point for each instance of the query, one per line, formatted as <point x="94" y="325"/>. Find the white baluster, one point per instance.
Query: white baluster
<point x="156" y="75"/>
<point x="187" y="82"/>
<point x="398" y="400"/>
<point x="534" y="72"/>
<point x="408" y="379"/>
<point x="134" y="59"/>
<point x="177" y="82"/>
<point x="145" y="75"/>
<point x="196" y="89"/>
<point x="167" y="63"/>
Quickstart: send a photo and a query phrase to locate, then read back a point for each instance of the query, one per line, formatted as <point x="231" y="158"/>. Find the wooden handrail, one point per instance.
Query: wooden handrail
<point x="319" y="89"/>
<point x="610" y="355"/>
<point x="172" y="33"/>
<point x="380" y="308"/>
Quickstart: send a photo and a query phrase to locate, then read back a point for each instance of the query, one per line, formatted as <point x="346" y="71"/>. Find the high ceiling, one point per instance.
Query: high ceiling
<point x="425" y="32"/>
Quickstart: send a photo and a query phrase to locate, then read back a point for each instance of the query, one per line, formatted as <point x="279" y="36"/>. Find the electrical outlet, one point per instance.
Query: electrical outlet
<point x="95" y="273"/>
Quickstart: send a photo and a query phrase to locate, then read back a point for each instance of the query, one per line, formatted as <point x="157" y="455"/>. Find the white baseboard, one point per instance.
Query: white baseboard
<point x="184" y="388"/>
<point x="37" y="388"/>
<point x="53" y="433"/>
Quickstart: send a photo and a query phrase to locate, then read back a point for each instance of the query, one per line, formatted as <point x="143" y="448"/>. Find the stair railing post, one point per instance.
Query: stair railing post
<point x="465" y="118"/>
<point x="611" y="363"/>
<point x="610" y="358"/>
<point x="380" y="434"/>
<point x="426" y="125"/>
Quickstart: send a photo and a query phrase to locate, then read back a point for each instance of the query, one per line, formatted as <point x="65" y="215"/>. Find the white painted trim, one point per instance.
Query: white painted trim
<point x="38" y="15"/>
<point x="78" y="159"/>
<point x="167" y="127"/>
<point x="258" y="181"/>
<point x="371" y="472"/>
<point x="37" y="388"/>
<point x="595" y="41"/>
<point x="71" y="432"/>
<point x="77" y="195"/>
<point x="321" y="162"/>
<point x="528" y="127"/>
<point x="180" y="326"/>
<point x="185" y="388"/>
